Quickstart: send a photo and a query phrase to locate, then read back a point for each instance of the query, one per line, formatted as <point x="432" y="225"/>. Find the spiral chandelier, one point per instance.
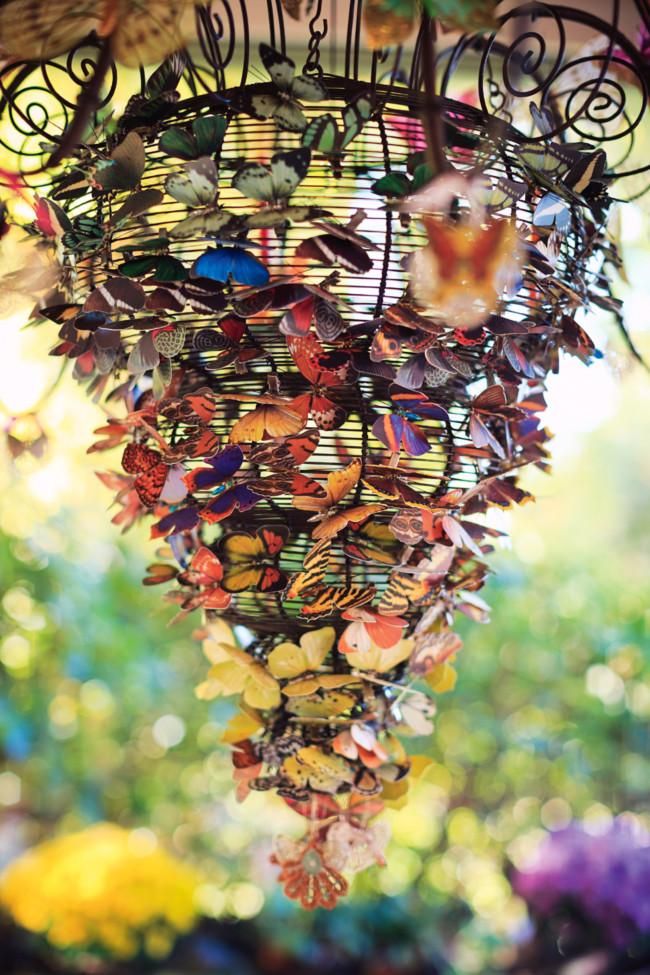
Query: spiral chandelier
<point x="318" y="268"/>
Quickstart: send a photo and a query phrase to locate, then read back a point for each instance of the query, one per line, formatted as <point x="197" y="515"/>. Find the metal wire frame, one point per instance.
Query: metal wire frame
<point x="524" y="61"/>
<point x="383" y="145"/>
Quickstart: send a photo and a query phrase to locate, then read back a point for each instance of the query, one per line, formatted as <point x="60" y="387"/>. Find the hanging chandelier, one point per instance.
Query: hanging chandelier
<point x="318" y="268"/>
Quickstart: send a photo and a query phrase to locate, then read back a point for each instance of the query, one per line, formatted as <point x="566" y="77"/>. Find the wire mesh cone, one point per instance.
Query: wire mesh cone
<point x="407" y="551"/>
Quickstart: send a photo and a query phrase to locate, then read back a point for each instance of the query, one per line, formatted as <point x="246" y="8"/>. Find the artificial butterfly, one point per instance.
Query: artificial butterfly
<point x="403" y="591"/>
<point x="397" y="431"/>
<point x="462" y="273"/>
<point x="323" y="134"/>
<point x="333" y="520"/>
<point x="491" y="402"/>
<point x="221" y="467"/>
<point x="196" y="185"/>
<point x="225" y="264"/>
<point x="285" y="452"/>
<point x="273" y="185"/>
<point x="283" y="105"/>
<point x="250" y="560"/>
<point x="154" y="480"/>
<point x="124" y="169"/>
<point x="203" y="138"/>
<point x="158" y="97"/>
<point x="205" y="572"/>
<point x="324" y="370"/>
<point x="140" y="31"/>
<point x="338" y="245"/>
<point x="273" y="416"/>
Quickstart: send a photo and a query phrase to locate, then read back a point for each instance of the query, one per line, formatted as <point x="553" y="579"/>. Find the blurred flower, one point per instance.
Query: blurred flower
<point x="105" y="889"/>
<point x="606" y="876"/>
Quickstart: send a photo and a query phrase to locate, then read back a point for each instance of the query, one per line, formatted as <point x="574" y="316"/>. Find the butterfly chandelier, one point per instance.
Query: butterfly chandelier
<point x="317" y="268"/>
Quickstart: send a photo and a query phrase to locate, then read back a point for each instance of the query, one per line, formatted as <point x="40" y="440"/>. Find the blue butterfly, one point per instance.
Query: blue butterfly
<point x="230" y="263"/>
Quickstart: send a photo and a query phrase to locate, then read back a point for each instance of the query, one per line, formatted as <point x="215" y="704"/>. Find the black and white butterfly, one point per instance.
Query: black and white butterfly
<point x="274" y="185"/>
<point x="283" y="105"/>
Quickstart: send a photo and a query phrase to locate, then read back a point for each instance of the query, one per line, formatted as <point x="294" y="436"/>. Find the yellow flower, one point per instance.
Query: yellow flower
<point x="104" y="888"/>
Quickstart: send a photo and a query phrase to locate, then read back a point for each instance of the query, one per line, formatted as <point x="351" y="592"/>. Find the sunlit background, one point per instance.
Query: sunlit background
<point x="99" y="723"/>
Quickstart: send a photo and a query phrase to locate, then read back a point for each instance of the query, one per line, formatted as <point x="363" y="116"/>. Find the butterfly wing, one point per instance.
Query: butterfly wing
<point x="125" y="167"/>
<point x="255" y="181"/>
<point x="147" y="30"/>
<point x="307" y="88"/>
<point x="239" y="496"/>
<point x="288" y="169"/>
<point x="280" y="68"/>
<point x="40" y="31"/>
<point x="196" y="184"/>
<point x="322" y="135"/>
<point x="223" y="263"/>
<point x="221" y="467"/>
<point x="355" y="115"/>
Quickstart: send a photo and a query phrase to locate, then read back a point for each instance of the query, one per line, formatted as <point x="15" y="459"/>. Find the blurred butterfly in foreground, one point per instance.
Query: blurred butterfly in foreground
<point x="140" y="31"/>
<point x="391" y="22"/>
<point x="273" y="185"/>
<point x="283" y="105"/>
<point x="249" y="560"/>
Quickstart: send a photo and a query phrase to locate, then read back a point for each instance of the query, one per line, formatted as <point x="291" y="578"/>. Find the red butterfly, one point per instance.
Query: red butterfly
<point x="155" y="479"/>
<point x="324" y="370"/>
<point x="205" y="573"/>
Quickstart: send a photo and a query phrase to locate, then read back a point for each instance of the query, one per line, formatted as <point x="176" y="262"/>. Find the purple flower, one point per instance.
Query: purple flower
<point x="606" y="876"/>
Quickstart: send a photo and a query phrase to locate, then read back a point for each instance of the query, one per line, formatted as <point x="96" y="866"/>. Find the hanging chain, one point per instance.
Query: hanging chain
<point x="316" y="35"/>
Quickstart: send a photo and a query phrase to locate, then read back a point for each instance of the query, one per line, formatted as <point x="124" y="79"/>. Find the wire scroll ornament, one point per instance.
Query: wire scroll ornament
<point x="320" y="303"/>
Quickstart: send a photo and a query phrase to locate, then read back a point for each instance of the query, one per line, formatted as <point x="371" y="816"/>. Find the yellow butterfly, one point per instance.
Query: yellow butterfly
<point x="140" y="31"/>
<point x="381" y="659"/>
<point x="289" y="660"/>
<point x="312" y="768"/>
<point x="332" y="520"/>
<point x="236" y="672"/>
<point x="325" y="704"/>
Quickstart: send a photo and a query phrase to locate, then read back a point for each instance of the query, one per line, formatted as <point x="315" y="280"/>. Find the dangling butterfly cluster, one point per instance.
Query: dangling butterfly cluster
<point x="317" y="461"/>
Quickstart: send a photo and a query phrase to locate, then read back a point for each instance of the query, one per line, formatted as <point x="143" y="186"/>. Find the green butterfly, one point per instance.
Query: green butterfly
<point x="273" y="185"/>
<point x="323" y="134"/>
<point x="124" y="169"/>
<point x="158" y="97"/>
<point x="204" y="138"/>
<point x="196" y="185"/>
<point x="395" y="186"/>
<point x="85" y="236"/>
<point x="283" y="105"/>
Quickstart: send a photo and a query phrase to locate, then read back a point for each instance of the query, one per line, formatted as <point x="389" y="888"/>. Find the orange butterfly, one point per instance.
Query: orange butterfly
<point x="285" y="452"/>
<point x="331" y="520"/>
<point x="205" y="573"/>
<point x="272" y="417"/>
